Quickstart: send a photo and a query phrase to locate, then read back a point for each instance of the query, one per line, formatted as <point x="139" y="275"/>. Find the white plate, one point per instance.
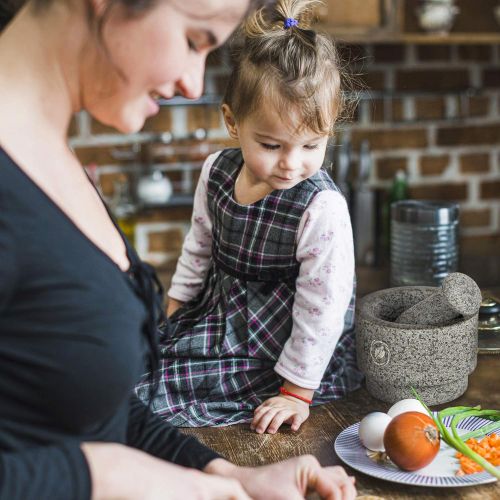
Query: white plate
<point x="439" y="473"/>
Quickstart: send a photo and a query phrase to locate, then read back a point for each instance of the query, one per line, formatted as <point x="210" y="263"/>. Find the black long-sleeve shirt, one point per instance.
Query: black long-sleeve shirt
<point x="72" y="345"/>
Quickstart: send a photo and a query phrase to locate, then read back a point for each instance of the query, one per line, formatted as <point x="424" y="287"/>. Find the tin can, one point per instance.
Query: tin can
<point x="424" y="242"/>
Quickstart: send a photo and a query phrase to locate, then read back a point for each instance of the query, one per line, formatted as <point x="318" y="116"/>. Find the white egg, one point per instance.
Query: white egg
<point x="406" y="405"/>
<point x="371" y="430"/>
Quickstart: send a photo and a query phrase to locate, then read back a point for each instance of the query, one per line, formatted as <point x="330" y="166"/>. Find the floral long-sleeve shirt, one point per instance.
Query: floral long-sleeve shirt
<point x="323" y="288"/>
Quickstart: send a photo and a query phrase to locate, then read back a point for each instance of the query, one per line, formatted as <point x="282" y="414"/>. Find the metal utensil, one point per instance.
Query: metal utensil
<point x="489" y="326"/>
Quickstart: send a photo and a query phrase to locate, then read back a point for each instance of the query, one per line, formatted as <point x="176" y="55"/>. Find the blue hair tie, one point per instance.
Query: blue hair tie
<point x="289" y="22"/>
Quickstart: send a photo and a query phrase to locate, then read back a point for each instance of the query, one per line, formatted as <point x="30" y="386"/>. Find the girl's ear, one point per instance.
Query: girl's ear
<point x="230" y="122"/>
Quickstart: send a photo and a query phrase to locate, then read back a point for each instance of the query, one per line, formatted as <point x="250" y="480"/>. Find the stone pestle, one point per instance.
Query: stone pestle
<point x="458" y="296"/>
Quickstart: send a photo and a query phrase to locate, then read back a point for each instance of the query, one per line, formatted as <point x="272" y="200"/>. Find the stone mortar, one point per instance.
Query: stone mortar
<point x="435" y="360"/>
<point x="458" y="296"/>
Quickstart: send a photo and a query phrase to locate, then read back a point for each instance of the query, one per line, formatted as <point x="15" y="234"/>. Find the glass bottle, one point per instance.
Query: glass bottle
<point x="124" y="208"/>
<point x="397" y="192"/>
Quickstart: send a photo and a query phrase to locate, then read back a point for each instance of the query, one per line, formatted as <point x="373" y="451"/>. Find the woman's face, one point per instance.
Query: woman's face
<point x="161" y="53"/>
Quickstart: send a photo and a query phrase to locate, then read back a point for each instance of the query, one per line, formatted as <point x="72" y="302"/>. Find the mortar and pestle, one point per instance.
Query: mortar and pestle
<point x="419" y="336"/>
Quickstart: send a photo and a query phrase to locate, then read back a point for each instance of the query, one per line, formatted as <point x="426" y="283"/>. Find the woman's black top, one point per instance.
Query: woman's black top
<point x="73" y="342"/>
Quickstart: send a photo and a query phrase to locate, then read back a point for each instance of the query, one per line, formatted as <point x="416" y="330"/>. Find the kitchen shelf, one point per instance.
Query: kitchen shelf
<point x="176" y="200"/>
<point x="451" y="38"/>
<point x="206" y="99"/>
<point x="398" y="23"/>
<point x="368" y="95"/>
<point x="361" y="95"/>
<point x="353" y="37"/>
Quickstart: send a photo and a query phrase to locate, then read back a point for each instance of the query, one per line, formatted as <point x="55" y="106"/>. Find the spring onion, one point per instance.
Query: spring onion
<point x="481" y="432"/>
<point x="456" y="441"/>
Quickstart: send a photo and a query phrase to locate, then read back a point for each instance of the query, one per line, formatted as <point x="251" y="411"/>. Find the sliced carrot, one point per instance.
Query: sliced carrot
<point x="488" y="448"/>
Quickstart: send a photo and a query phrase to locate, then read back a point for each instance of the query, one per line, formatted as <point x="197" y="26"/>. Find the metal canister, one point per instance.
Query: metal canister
<point x="424" y="242"/>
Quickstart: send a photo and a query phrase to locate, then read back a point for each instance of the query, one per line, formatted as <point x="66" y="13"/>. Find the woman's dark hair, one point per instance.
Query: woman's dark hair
<point x="9" y="8"/>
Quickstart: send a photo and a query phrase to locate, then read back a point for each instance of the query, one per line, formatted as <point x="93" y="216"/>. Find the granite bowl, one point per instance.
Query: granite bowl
<point x="435" y="360"/>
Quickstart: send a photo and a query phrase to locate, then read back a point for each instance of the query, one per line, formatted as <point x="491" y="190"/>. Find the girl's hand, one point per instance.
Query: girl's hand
<point x="118" y="471"/>
<point x="173" y="305"/>
<point x="292" y="479"/>
<point x="278" y="410"/>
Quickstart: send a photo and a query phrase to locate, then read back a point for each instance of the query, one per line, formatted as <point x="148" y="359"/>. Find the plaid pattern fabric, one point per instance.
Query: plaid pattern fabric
<point x="219" y="350"/>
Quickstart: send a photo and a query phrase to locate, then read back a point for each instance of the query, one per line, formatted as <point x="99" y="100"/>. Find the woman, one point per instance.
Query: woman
<point x="78" y="309"/>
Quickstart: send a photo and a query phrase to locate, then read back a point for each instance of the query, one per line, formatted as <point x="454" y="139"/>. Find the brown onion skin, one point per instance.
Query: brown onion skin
<point x="411" y="440"/>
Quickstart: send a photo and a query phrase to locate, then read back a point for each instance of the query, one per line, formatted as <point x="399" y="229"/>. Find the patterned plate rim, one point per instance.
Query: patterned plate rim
<point x="348" y="442"/>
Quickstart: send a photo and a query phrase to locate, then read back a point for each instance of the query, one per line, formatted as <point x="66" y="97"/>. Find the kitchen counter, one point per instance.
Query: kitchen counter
<point x="318" y="433"/>
<point x="480" y="260"/>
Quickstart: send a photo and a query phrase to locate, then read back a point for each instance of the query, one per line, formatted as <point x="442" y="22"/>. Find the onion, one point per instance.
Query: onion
<point x="411" y="440"/>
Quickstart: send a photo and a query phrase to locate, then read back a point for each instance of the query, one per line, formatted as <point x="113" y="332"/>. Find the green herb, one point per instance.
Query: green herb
<point x="456" y="441"/>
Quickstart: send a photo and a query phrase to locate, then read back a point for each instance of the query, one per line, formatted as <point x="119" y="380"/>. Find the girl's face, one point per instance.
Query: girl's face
<point x="159" y="54"/>
<point x="276" y="156"/>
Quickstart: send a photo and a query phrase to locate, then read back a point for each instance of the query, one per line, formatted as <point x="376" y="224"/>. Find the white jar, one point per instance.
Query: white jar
<point x="154" y="189"/>
<point x="437" y="16"/>
<point x="496" y="12"/>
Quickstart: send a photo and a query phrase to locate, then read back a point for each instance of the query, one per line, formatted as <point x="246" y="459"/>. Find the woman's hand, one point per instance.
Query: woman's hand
<point x="173" y="305"/>
<point x="289" y="480"/>
<point x="278" y="410"/>
<point x="118" y="471"/>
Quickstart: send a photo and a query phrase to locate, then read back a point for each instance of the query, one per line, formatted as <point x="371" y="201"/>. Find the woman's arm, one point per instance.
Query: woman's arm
<point x="149" y="433"/>
<point x="117" y="471"/>
<point x="52" y="472"/>
<point x="284" y="480"/>
<point x="289" y="480"/>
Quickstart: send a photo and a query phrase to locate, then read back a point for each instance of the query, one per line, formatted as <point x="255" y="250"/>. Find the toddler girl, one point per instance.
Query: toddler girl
<point x="262" y="300"/>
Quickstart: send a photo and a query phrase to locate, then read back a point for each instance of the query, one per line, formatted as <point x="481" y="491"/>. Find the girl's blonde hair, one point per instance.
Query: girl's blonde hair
<point x="286" y="68"/>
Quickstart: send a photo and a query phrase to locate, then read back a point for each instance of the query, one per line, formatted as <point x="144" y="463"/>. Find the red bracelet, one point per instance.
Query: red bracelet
<point x="288" y="393"/>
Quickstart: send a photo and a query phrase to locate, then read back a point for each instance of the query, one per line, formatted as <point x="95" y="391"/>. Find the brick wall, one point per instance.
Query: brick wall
<point x="432" y="111"/>
<point x="441" y="124"/>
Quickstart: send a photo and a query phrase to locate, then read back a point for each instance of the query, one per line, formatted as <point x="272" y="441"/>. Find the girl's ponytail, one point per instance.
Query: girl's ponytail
<point x="280" y="61"/>
<point x="274" y="19"/>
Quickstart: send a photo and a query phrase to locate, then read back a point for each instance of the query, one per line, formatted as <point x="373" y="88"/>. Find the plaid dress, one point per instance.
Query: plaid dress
<point x="220" y="348"/>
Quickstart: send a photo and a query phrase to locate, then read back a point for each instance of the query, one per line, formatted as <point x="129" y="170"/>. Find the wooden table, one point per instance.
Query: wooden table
<point x="317" y="435"/>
